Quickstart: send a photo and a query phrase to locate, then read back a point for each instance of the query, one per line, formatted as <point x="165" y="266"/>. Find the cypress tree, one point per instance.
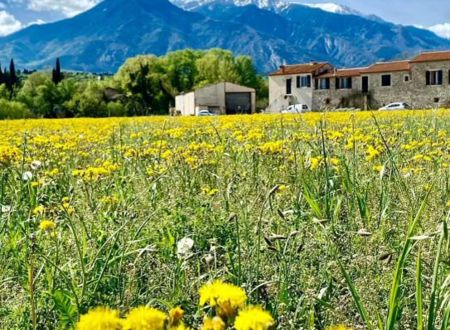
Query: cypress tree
<point x="56" y="73"/>
<point x="12" y="74"/>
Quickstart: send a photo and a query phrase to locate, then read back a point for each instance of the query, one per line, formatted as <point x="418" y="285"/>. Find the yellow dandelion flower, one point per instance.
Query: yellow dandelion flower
<point x="315" y="163"/>
<point x="216" y="323"/>
<point x="372" y="153"/>
<point x="175" y="316"/>
<point x="38" y="210"/>
<point x="47" y="225"/>
<point x="180" y="326"/>
<point x="338" y="327"/>
<point x="254" y="318"/>
<point x="68" y="208"/>
<point x="335" y="162"/>
<point x="378" y="168"/>
<point x="227" y="298"/>
<point x="100" y="318"/>
<point x="145" y="318"/>
<point x="282" y="188"/>
<point x="209" y="192"/>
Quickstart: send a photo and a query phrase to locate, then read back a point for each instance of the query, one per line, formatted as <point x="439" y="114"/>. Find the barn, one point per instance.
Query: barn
<point x="221" y="98"/>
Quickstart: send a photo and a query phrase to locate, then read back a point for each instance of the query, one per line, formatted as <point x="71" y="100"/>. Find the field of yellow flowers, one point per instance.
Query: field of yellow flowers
<point x="317" y="221"/>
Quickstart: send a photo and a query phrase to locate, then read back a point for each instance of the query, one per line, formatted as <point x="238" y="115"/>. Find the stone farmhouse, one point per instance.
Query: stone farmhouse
<point x="423" y="82"/>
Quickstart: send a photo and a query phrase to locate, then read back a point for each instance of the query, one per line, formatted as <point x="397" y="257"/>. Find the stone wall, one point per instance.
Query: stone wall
<point x="425" y="97"/>
<point x="399" y="91"/>
<point x="338" y="98"/>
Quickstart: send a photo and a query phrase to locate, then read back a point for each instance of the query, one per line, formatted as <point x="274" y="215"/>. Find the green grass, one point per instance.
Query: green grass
<point x="336" y="243"/>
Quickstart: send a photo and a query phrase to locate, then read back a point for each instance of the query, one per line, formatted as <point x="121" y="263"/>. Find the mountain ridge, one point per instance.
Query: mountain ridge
<point x="101" y="38"/>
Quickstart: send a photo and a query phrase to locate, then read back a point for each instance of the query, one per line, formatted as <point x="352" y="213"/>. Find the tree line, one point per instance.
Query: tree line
<point x="144" y="85"/>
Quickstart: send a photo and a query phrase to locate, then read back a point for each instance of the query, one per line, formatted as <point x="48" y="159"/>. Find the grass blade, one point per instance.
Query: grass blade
<point x="432" y="312"/>
<point x="419" y="298"/>
<point x="398" y="274"/>
<point x="356" y="297"/>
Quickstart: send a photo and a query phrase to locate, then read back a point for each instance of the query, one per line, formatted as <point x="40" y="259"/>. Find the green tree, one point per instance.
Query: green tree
<point x="142" y="78"/>
<point x="216" y="65"/>
<point x="44" y="98"/>
<point x="13" y="110"/>
<point x="180" y="70"/>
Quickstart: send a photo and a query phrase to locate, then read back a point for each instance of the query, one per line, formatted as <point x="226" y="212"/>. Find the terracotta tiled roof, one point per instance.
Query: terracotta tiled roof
<point x="298" y="68"/>
<point x="432" y="57"/>
<point x="349" y="72"/>
<point x="388" y="67"/>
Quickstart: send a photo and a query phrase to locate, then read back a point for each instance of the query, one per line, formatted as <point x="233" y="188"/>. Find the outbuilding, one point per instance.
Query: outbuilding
<point x="221" y="98"/>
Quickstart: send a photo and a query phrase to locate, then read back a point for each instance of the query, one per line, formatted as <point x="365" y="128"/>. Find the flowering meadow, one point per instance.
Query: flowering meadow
<point x="314" y="221"/>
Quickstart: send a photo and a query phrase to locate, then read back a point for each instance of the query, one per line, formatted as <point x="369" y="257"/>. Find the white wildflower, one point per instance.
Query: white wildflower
<point x="6" y="208"/>
<point x="184" y="247"/>
<point x="27" y="176"/>
<point x="35" y="165"/>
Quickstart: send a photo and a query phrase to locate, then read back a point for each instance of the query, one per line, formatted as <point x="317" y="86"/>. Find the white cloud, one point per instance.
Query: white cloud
<point x="67" y="7"/>
<point x="8" y="23"/>
<point x="442" y="30"/>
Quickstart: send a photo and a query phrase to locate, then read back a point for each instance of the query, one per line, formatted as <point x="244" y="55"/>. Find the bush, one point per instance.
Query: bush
<point x="13" y="110"/>
<point x="116" y="109"/>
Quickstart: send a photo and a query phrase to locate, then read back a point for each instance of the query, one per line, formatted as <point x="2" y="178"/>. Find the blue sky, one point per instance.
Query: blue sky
<point x="408" y="12"/>
<point x="16" y="14"/>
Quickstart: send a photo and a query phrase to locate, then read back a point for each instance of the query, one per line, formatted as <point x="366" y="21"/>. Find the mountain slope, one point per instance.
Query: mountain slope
<point x="344" y="39"/>
<point x="102" y="38"/>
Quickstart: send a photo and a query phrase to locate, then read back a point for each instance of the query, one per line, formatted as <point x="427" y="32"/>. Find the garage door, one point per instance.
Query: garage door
<point x="237" y="103"/>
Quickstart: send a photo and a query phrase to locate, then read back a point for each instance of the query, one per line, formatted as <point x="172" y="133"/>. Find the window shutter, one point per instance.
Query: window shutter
<point x="308" y="81"/>
<point x="440" y="77"/>
<point x="316" y="83"/>
<point x="328" y="83"/>
<point x="337" y="83"/>
<point x="428" y="77"/>
<point x="350" y="82"/>
<point x="298" y="82"/>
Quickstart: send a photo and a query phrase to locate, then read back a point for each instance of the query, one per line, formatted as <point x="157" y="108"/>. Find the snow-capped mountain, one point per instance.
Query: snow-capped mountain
<point x="275" y="5"/>
<point x="333" y="8"/>
<point x="265" y="4"/>
<point x="272" y="32"/>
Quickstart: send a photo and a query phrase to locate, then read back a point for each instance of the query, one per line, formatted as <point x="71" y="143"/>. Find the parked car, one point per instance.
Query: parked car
<point x="205" y="113"/>
<point x="296" y="108"/>
<point x="396" y="106"/>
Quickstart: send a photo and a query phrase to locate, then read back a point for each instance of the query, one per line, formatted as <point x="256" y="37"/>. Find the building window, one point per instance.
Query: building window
<point x="303" y="81"/>
<point x="406" y="78"/>
<point x="386" y="80"/>
<point x="436" y="100"/>
<point x="434" y="77"/>
<point x="288" y="86"/>
<point x="324" y="83"/>
<point x="344" y="83"/>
